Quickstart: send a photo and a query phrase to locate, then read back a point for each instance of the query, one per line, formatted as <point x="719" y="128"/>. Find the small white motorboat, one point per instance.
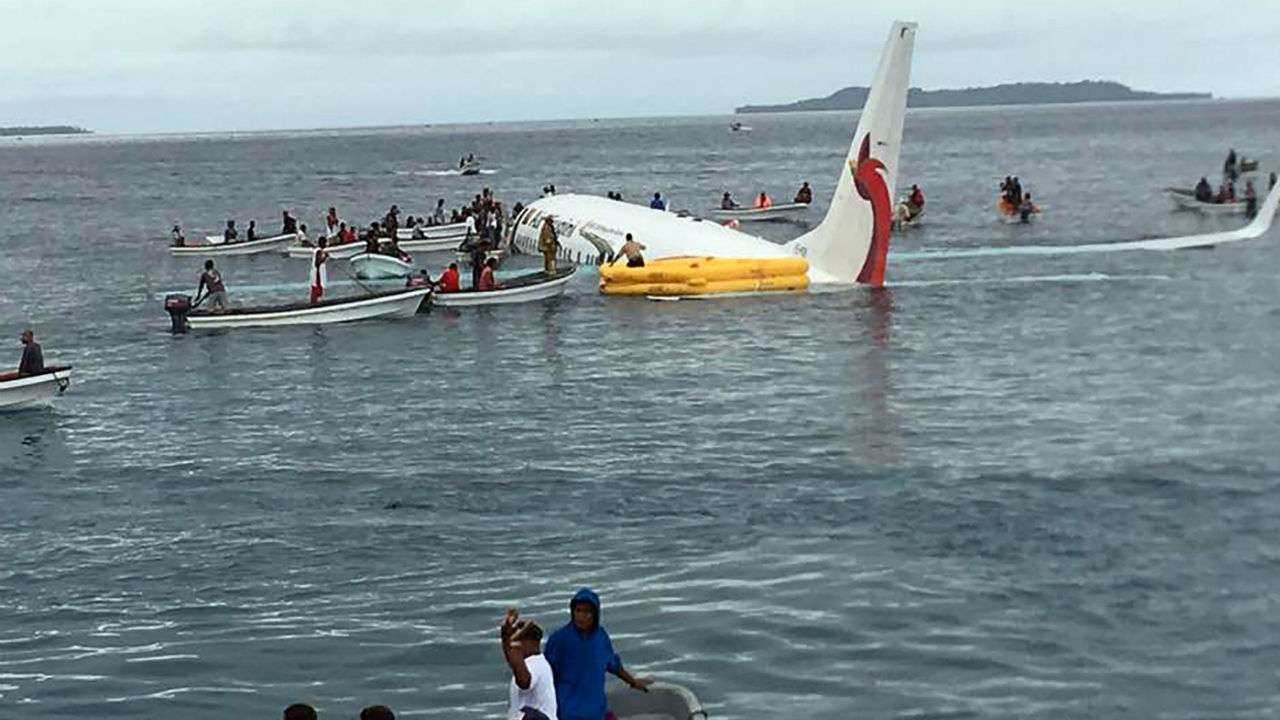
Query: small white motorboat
<point x="525" y="288"/>
<point x="341" y="251"/>
<point x="663" y="701"/>
<point x="432" y="232"/>
<point x="788" y="212"/>
<point x="433" y="244"/>
<point x="470" y="168"/>
<point x="398" y="303"/>
<point x="215" y="245"/>
<point x="1186" y="200"/>
<point x="739" y="127"/>
<point x="28" y="391"/>
<point x="376" y="266"/>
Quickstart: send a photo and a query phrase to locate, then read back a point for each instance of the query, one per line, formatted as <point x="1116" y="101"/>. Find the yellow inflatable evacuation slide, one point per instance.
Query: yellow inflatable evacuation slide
<point x="706" y="276"/>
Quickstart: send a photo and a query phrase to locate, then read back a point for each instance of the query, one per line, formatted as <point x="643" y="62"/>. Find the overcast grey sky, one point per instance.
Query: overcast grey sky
<point x="177" y="65"/>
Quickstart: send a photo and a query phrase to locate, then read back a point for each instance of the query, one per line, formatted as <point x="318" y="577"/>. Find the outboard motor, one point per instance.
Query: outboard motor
<point x="178" y="306"/>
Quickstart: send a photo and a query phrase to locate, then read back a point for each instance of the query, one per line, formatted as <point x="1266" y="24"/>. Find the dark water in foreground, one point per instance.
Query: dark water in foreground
<point x="1002" y="487"/>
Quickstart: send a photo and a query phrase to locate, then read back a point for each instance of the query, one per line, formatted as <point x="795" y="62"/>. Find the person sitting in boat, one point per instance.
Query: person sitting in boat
<point x="1204" y="191"/>
<point x="727" y="203"/>
<point x="251" y="232"/>
<point x="288" y="224"/>
<point x="580" y="654"/>
<point x="211" y="283"/>
<point x="488" y="282"/>
<point x="319" y="273"/>
<point x="449" y="281"/>
<point x="421" y="279"/>
<point x="1226" y="193"/>
<point x="179" y="239"/>
<point x="657" y="203"/>
<point x="1027" y="208"/>
<point x="532" y="695"/>
<point x="1250" y="198"/>
<point x="548" y="244"/>
<point x="804" y="195"/>
<point x="392" y="249"/>
<point x="229" y="235"/>
<point x="371" y="239"/>
<point x="763" y="201"/>
<point x="631" y="250"/>
<point x="32" y="362"/>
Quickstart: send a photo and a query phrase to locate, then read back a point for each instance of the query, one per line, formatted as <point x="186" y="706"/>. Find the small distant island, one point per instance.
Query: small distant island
<point x="43" y="130"/>
<point x="1036" y="93"/>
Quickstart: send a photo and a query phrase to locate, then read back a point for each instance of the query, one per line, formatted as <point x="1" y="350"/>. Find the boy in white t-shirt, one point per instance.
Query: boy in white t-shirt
<point x="532" y="695"/>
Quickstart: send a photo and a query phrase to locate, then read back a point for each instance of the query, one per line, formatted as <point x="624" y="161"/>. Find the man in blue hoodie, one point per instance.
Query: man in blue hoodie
<point x="580" y="653"/>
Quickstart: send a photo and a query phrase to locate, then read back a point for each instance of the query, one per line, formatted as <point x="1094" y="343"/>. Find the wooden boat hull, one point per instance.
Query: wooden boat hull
<point x="375" y="266"/>
<point x="337" y="252"/>
<point x="433" y="232"/>
<point x="262" y="245"/>
<point x="788" y="212"/>
<point x="399" y="303"/>
<point x="18" y="393"/>
<point x="527" y="288"/>
<point x="663" y="701"/>
<point x="1184" y="201"/>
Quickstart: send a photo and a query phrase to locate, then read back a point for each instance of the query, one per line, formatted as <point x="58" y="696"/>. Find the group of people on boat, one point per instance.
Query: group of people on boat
<point x="561" y="679"/>
<point x="1014" y="201"/>
<point x="231" y="235"/>
<point x="762" y="201"/>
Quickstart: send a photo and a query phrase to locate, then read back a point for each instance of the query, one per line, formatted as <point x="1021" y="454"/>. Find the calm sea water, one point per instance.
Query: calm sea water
<point x="1006" y="487"/>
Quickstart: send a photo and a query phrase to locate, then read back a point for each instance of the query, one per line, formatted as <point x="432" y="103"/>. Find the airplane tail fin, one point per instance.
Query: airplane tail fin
<point x="852" y="241"/>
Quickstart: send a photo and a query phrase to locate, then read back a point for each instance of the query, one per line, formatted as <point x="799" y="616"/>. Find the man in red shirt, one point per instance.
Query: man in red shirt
<point x="448" y="282"/>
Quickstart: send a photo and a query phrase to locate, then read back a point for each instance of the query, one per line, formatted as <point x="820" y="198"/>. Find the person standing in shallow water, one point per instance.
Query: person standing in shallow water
<point x="580" y="653"/>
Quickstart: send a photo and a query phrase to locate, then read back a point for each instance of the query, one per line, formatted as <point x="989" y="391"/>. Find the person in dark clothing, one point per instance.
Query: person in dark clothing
<point x="300" y="711"/>
<point x="289" y="224"/>
<point x="1204" y="191"/>
<point x="229" y="235"/>
<point x="580" y="653"/>
<point x="804" y="194"/>
<point x="251" y="233"/>
<point x="32" y="362"/>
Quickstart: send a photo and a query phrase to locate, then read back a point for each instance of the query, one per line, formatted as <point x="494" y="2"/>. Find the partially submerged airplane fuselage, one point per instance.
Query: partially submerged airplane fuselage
<point x="849" y="245"/>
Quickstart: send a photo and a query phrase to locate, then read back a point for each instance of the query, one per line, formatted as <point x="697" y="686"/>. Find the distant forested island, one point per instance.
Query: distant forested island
<point x="1037" y="93"/>
<point x="43" y="130"/>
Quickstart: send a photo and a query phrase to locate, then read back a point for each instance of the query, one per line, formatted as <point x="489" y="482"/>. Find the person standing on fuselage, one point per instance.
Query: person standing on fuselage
<point x="548" y="243"/>
<point x="580" y="653"/>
